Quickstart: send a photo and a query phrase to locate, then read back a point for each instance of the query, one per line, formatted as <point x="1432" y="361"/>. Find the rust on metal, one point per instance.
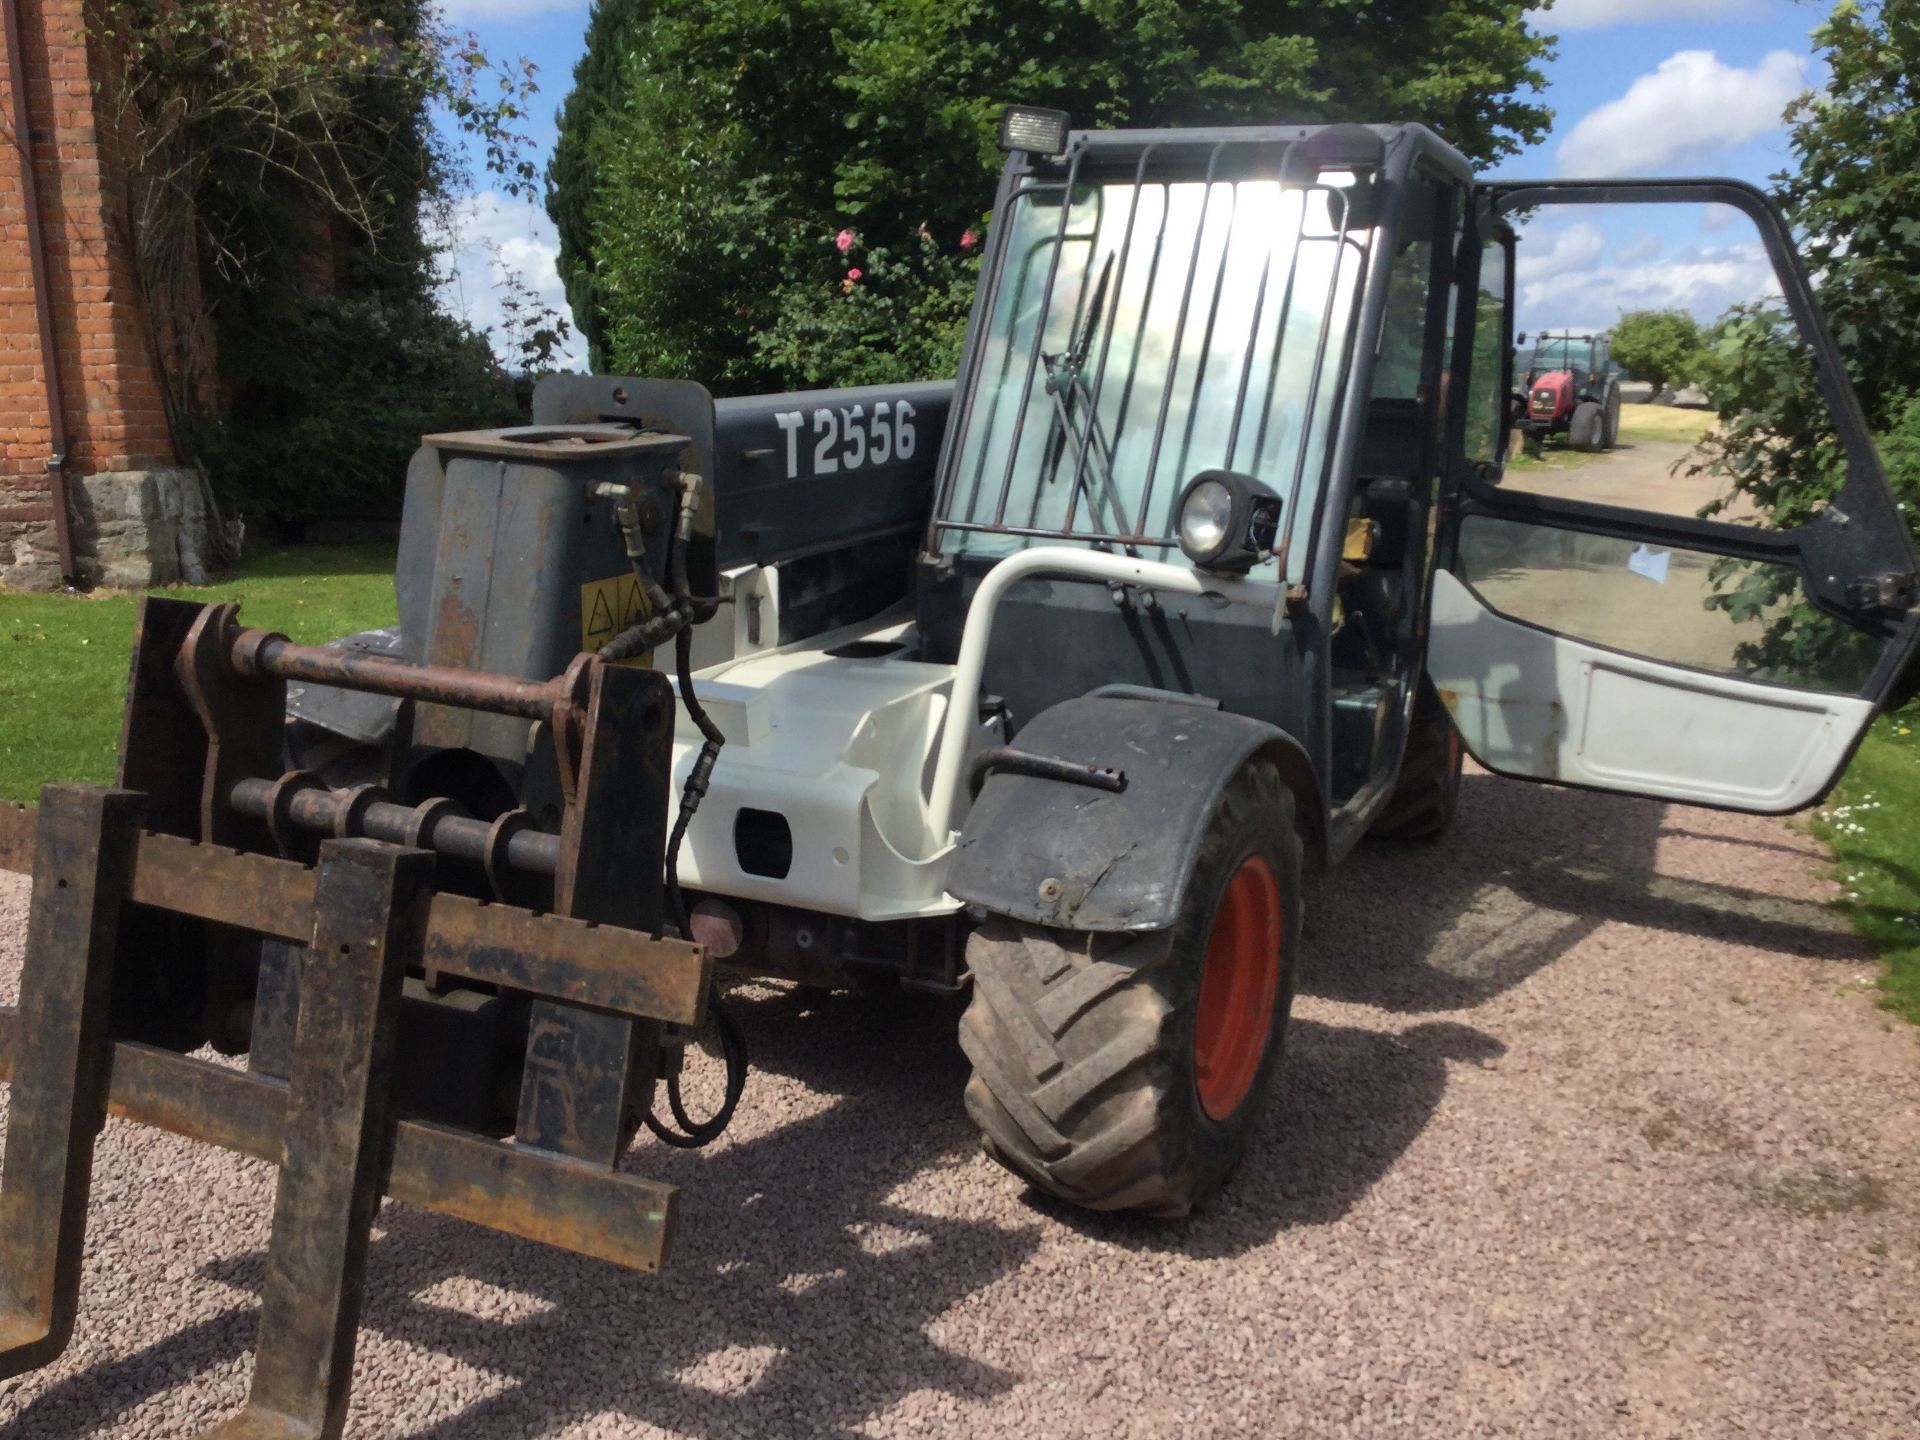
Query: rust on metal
<point x="368" y="814"/>
<point x="583" y="1208"/>
<point x="367" y="930"/>
<point x="229" y="887"/>
<point x="244" y="725"/>
<point x="163" y="745"/>
<point x="83" y="850"/>
<point x="242" y="941"/>
<point x="603" y="967"/>
<point x="588" y="1075"/>
<point x="624" y="1219"/>
<point x="17" y="824"/>
<point x="260" y="654"/>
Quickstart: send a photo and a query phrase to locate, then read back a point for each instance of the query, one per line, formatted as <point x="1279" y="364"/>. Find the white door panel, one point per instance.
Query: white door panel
<point x="1535" y="704"/>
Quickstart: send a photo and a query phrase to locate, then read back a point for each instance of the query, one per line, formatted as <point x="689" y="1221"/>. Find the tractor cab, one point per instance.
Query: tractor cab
<point x="1586" y="358"/>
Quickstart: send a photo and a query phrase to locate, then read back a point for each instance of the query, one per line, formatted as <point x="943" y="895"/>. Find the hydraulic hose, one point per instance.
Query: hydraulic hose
<point x="733" y="1043"/>
<point x="695" y="790"/>
<point x="733" y="1051"/>
<point x="675" y="616"/>
<point x="656" y="629"/>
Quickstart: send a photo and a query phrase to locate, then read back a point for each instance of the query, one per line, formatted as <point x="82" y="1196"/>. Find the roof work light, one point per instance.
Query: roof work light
<point x="1028" y="127"/>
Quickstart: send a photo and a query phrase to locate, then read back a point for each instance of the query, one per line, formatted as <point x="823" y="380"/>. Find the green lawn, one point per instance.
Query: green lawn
<point x="1638" y="424"/>
<point x="1873" y="824"/>
<point x="1555" y="456"/>
<point x="1665" y="422"/>
<point x="63" y="658"/>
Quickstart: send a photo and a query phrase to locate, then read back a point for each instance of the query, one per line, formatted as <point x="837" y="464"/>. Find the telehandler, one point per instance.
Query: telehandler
<point x="1045" y="684"/>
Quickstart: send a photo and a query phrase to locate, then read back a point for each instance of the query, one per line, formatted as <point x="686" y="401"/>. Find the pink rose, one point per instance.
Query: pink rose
<point x="843" y="242"/>
<point x="968" y="240"/>
<point x="855" y="273"/>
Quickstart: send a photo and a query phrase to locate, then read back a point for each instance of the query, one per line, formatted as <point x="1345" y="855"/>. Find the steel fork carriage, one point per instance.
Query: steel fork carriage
<point x="211" y="896"/>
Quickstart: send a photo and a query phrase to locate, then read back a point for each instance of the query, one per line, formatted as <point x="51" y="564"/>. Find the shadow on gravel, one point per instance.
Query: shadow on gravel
<point x="84" y="1403"/>
<point x="1525" y="874"/>
<point x="1347" y="1104"/>
<point x="1748" y="842"/>
<point x="798" y="1298"/>
<point x="800" y="1295"/>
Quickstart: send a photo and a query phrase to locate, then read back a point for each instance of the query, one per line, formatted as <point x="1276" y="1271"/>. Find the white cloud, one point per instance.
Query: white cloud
<point x="461" y="12"/>
<point x="1542" y="254"/>
<point x="487" y="238"/>
<point x="1570" y="15"/>
<point x="1645" y="248"/>
<point x="1692" y="105"/>
<point x="1568" y="282"/>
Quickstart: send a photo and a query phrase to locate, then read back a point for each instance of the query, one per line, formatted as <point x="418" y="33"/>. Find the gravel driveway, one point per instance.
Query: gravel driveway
<point x="1589" y="1126"/>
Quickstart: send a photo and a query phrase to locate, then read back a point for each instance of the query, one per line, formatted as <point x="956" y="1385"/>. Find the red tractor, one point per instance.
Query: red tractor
<point x="1572" y="389"/>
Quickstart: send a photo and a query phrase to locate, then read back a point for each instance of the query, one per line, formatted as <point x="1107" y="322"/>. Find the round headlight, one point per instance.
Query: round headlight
<point x="1205" y="514"/>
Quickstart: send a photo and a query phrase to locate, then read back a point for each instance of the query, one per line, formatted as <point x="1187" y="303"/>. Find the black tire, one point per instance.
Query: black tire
<point x="1428" y="791"/>
<point x="1584" y="425"/>
<point x="1083" y="1046"/>
<point x="1610" y="418"/>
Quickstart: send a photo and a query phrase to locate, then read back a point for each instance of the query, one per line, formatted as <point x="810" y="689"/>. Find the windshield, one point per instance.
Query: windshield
<point x="1187" y="326"/>
<point x="1561" y="352"/>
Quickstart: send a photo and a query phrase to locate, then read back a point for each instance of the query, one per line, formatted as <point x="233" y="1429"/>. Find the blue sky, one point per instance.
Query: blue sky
<point x="1641" y="87"/>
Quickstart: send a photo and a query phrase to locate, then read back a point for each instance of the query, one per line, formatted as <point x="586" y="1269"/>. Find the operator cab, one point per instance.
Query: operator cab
<point x="1162" y="305"/>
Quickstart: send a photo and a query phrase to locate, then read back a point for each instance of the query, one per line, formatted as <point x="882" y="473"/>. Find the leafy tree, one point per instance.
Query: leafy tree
<point x="764" y="194"/>
<point x="324" y="428"/>
<point x="571" y="187"/>
<point x="1662" y="347"/>
<point x="1854" y="199"/>
<point x="277" y="162"/>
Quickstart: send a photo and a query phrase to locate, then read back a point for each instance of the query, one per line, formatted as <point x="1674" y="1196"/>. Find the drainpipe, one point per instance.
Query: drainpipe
<point x="42" y="301"/>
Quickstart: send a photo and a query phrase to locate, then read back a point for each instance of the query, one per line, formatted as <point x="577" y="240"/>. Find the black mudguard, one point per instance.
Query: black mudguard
<point x="1062" y="854"/>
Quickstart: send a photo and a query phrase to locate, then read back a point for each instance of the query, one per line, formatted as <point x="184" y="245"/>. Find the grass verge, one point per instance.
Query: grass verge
<point x="1557" y="455"/>
<point x="1664" y="422"/>
<point x="1638" y="424"/>
<point x="63" y="658"/>
<point x="1872" y="822"/>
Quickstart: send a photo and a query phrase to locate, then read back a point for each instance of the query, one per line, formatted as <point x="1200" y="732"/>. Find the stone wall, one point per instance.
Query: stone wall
<point x="132" y="529"/>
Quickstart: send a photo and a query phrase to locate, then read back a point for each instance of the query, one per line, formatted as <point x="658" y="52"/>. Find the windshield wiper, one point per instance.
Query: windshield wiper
<point x="1066" y="383"/>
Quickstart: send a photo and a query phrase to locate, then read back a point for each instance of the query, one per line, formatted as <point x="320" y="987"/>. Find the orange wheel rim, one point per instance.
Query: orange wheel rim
<point x="1239" y="981"/>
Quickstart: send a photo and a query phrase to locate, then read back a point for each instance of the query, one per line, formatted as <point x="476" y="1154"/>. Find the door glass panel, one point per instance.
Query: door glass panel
<point x="1632" y="327"/>
<point x="1729" y="617"/>
<point x="1401" y="363"/>
<point x="1486" y="406"/>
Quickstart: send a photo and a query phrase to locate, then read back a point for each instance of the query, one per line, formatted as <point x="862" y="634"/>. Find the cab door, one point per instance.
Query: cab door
<point x="1625" y="617"/>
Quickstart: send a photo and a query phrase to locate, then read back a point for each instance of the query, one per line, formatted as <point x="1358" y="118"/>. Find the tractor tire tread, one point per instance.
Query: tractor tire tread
<point x="1085" y="1117"/>
<point x="1585" y="427"/>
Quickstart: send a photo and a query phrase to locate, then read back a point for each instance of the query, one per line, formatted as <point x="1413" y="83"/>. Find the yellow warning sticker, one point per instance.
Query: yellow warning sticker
<point x="609" y="606"/>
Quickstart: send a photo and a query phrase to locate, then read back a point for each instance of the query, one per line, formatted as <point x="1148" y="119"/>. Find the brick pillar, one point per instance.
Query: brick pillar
<point x="120" y="464"/>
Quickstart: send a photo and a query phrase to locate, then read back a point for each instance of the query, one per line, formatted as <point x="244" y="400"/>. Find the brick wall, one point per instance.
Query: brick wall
<point x="116" y="420"/>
